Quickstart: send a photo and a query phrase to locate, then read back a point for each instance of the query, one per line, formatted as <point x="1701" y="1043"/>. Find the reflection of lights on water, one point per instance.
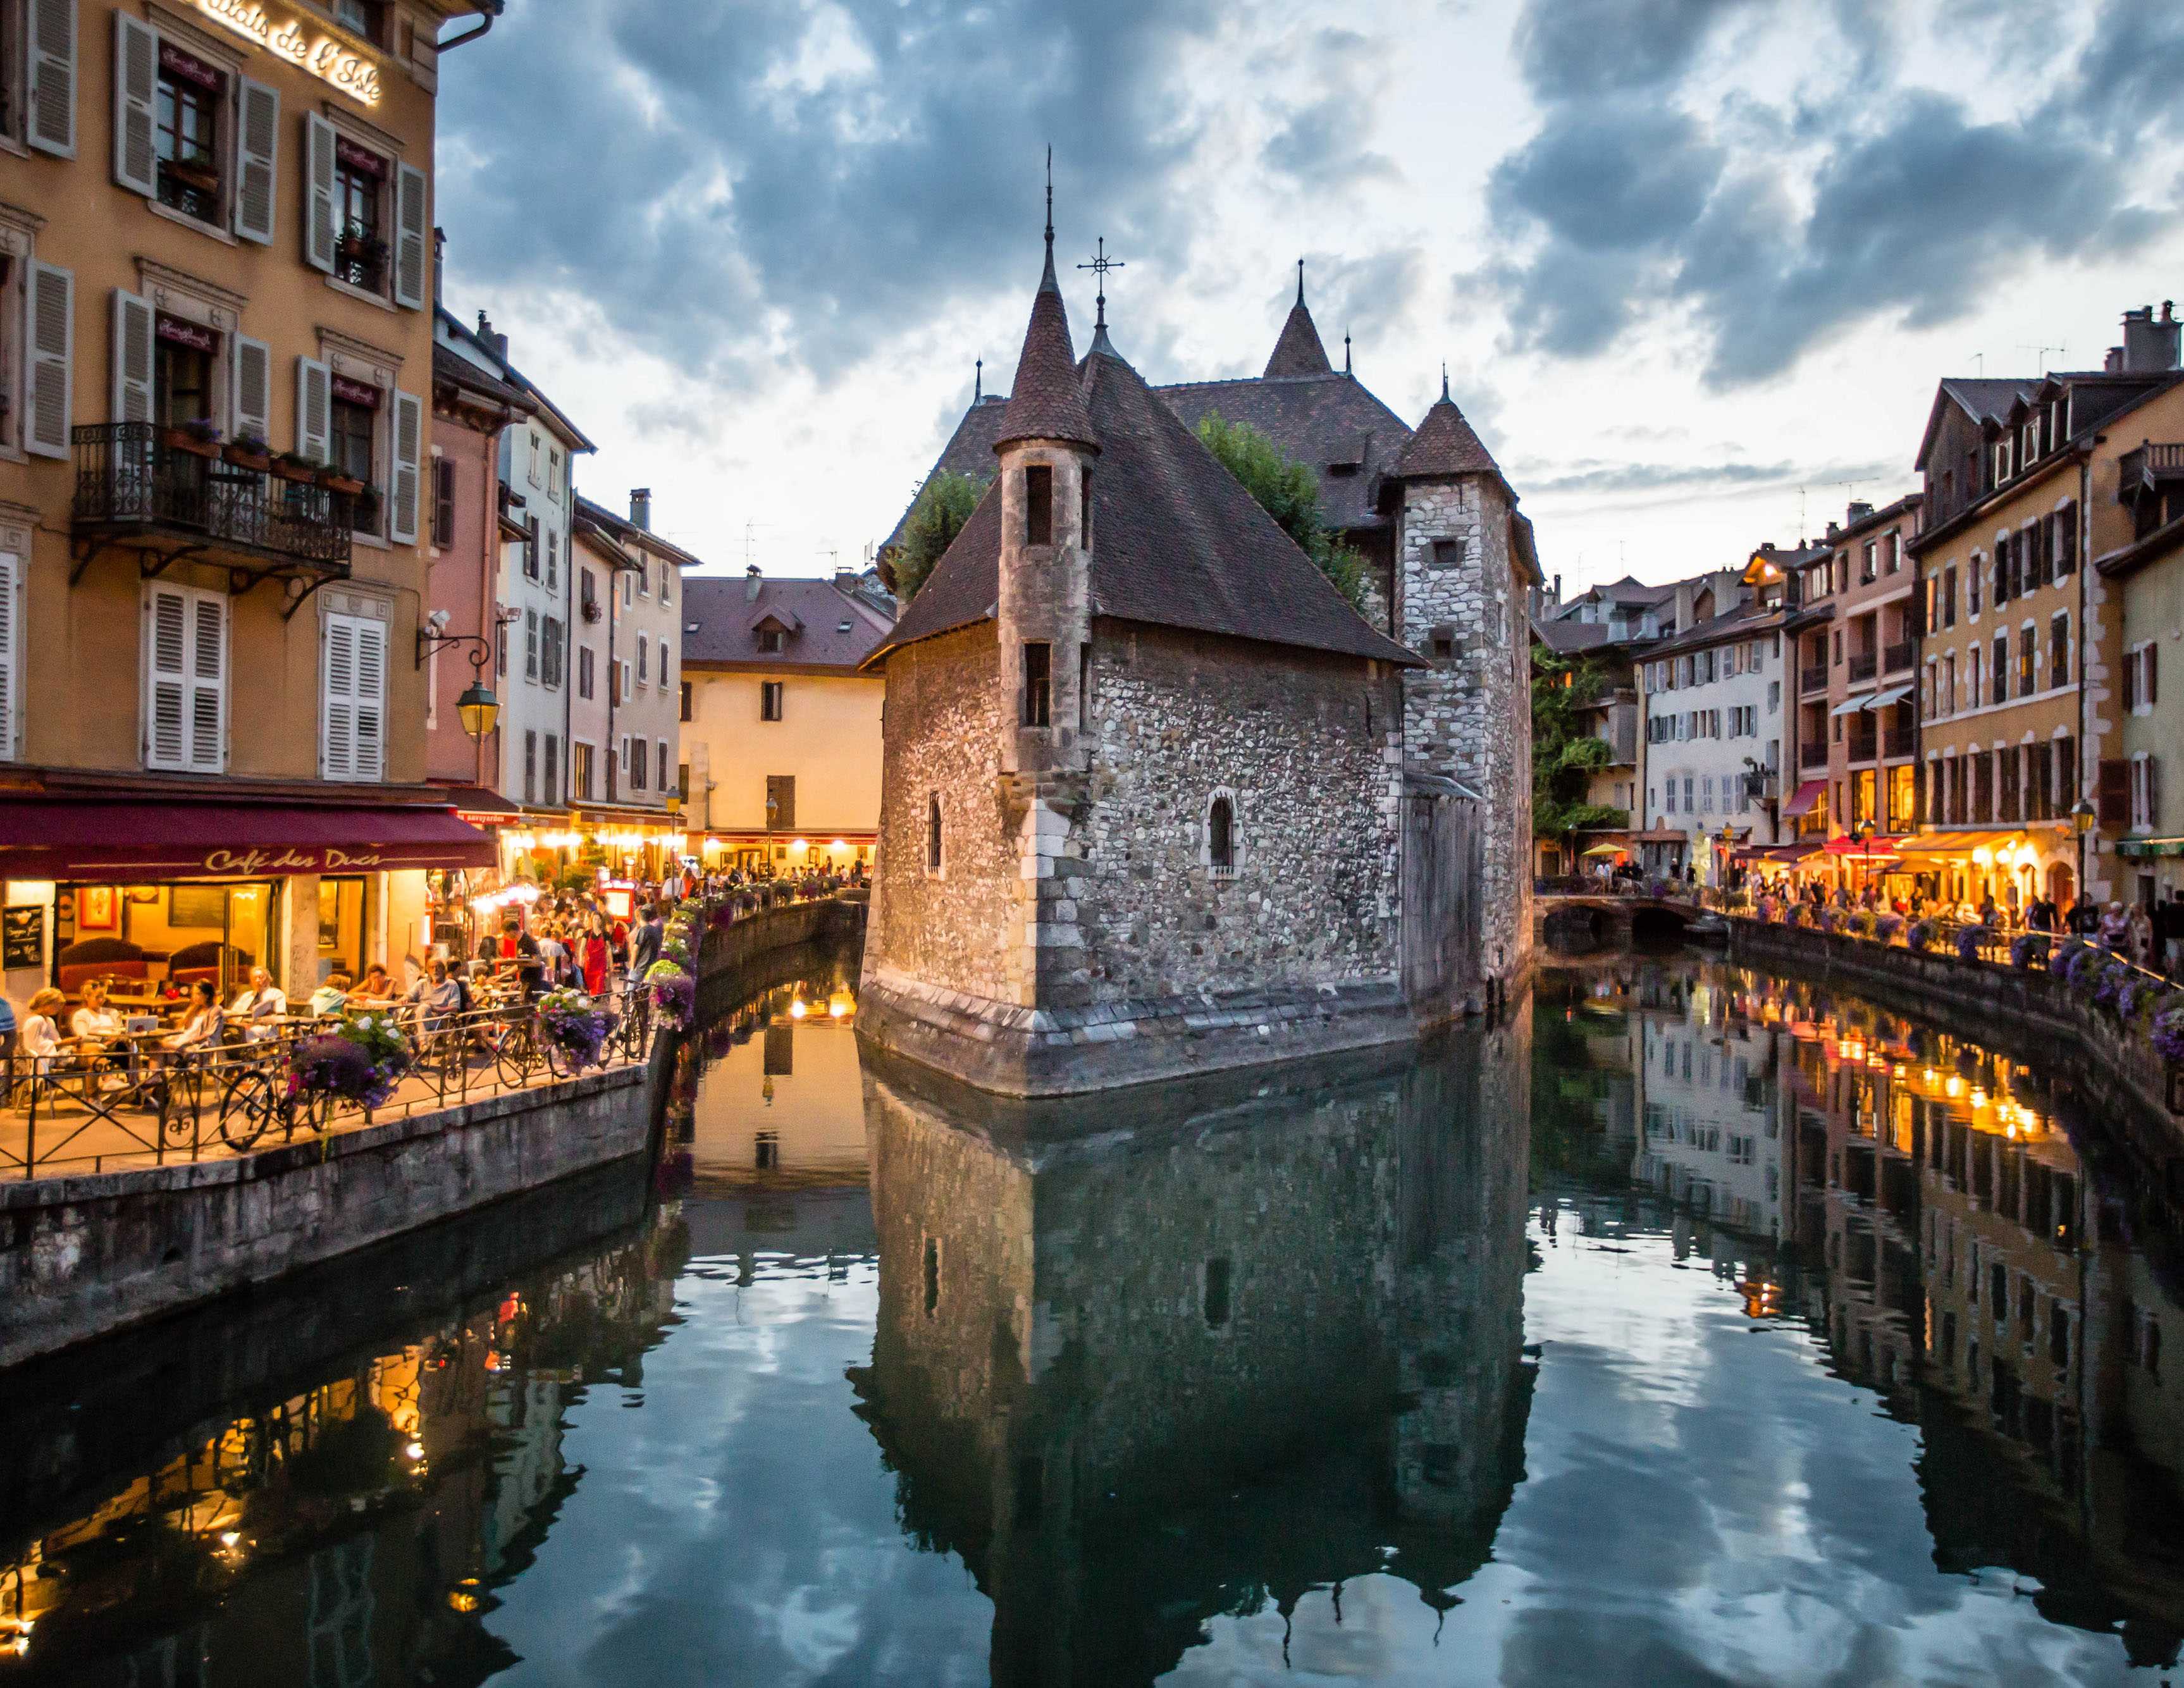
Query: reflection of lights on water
<point x="415" y="1451"/>
<point x="228" y="1538"/>
<point x="462" y="1600"/>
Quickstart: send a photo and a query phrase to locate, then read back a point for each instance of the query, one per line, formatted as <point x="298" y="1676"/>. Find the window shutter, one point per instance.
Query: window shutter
<point x="318" y="231"/>
<point x="166" y="678"/>
<point x="11" y="587"/>
<point x="443" y="502"/>
<point x="2130" y="680"/>
<point x="256" y="159"/>
<point x="136" y="87"/>
<point x="370" y="699"/>
<point x="409" y="447"/>
<point x="53" y="77"/>
<point x="2114" y="799"/>
<point x="2152" y="681"/>
<point x="410" y="233"/>
<point x="2154" y="793"/>
<point x="315" y="413"/>
<point x="51" y="361"/>
<point x="250" y="389"/>
<point x="132" y="355"/>
<point x="207" y="684"/>
<point x="337" y="713"/>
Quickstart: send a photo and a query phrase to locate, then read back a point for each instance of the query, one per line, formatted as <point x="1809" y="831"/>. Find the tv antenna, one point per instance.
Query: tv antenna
<point x="2040" y="353"/>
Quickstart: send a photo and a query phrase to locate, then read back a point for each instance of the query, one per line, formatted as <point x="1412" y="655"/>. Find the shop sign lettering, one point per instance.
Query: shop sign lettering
<point x="323" y="56"/>
<point x="250" y="863"/>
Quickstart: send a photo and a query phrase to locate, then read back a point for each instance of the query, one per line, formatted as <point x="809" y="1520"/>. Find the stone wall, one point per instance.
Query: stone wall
<point x="1469" y="717"/>
<point x="1304" y="745"/>
<point x="953" y="930"/>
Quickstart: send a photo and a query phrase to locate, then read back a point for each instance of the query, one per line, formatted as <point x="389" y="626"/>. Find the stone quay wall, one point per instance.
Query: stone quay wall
<point x="83" y="1256"/>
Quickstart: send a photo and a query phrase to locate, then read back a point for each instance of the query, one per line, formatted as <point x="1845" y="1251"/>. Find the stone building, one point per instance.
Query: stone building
<point x="1155" y="796"/>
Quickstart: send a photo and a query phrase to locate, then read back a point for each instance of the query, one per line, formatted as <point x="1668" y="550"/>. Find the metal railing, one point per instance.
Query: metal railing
<point x="2148" y="462"/>
<point x="1864" y="747"/>
<point x="1864" y="664"/>
<point x="1894" y="659"/>
<point x="1811" y="757"/>
<point x="127" y="475"/>
<point x="1898" y="741"/>
<point x="133" y="1101"/>
<point x="1812" y="679"/>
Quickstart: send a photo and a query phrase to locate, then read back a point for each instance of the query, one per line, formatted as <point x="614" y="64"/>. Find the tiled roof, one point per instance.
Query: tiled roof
<point x="1045" y="404"/>
<point x="624" y="532"/>
<point x="1332" y="422"/>
<point x="1565" y="636"/>
<point x="721" y="620"/>
<point x="1445" y="444"/>
<point x="1177" y="541"/>
<point x="1298" y="352"/>
<point x="969" y="451"/>
<point x="1987" y="398"/>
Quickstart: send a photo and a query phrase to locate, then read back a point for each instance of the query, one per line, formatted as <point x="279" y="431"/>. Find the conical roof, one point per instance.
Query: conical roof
<point x="1445" y="444"/>
<point x="1298" y="352"/>
<point x="1044" y="403"/>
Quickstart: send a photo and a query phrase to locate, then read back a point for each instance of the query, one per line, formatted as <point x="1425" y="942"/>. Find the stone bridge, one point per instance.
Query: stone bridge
<point x="1576" y="922"/>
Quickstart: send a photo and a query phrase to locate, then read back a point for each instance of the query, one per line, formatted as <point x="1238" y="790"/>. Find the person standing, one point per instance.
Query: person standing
<point x="644" y="943"/>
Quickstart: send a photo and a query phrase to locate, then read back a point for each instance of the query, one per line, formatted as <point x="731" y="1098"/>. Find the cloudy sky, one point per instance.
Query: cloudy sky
<point x="1694" y="265"/>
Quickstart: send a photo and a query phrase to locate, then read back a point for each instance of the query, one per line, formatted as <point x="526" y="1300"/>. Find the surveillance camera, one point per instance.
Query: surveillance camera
<point x="438" y="621"/>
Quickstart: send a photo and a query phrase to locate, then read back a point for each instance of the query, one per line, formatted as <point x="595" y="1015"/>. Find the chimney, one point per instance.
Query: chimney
<point x="1558" y="598"/>
<point x="1859" y="509"/>
<point x="753" y="580"/>
<point x="640" y="508"/>
<point x="1836" y="528"/>
<point x="845" y="579"/>
<point x="495" y="344"/>
<point x="439" y="262"/>
<point x="2149" y="347"/>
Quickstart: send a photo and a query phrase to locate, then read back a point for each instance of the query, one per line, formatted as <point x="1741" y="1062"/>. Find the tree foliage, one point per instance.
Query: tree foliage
<point x="1563" y="753"/>
<point x="943" y="505"/>
<point x="1290" y="493"/>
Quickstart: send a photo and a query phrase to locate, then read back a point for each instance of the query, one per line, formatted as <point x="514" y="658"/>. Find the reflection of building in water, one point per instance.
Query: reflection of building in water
<point x="1095" y="1324"/>
<point x="1712" y="1132"/>
<point x="1975" y="1278"/>
<point x="780" y="1101"/>
<point x="382" y="1507"/>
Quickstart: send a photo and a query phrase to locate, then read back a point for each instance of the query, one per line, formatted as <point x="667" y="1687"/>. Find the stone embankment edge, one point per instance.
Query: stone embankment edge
<point x="83" y="1256"/>
<point x="2025" y="1012"/>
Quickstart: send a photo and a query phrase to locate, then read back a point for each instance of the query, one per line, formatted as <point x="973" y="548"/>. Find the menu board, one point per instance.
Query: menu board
<point x="23" y="936"/>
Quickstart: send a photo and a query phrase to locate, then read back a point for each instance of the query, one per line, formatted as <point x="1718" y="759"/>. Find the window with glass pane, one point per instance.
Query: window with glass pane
<point x="186" y="134"/>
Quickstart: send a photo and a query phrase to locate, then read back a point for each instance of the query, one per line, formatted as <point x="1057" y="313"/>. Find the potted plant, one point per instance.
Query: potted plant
<point x="199" y="438"/>
<point x="197" y="172"/>
<point x="335" y="481"/>
<point x="294" y="466"/>
<point x="674" y="994"/>
<point x="1968" y="940"/>
<point x="576" y="1026"/>
<point x="250" y="451"/>
<point x="359" y="1062"/>
<point x="2027" y="948"/>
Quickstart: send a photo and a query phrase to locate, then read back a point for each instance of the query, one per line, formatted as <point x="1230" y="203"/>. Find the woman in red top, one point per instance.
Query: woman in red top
<point x="592" y="957"/>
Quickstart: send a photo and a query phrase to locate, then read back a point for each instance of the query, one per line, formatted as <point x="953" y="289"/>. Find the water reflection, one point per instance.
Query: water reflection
<point x="1687" y="1326"/>
<point x="1155" y="1359"/>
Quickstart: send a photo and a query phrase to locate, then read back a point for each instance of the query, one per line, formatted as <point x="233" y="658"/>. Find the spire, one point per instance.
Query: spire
<point x="1445" y="398"/>
<point x="979" y="381"/>
<point x="1044" y="403"/>
<point x="1100" y="265"/>
<point x="1346" y="352"/>
<point x="1299" y="351"/>
<point x="1445" y="444"/>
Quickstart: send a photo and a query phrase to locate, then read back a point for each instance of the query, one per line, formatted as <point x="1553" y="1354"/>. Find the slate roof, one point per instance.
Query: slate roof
<point x="969" y="451"/>
<point x="1327" y="420"/>
<point x="1564" y="636"/>
<point x="1298" y="352"/>
<point x="623" y="532"/>
<point x="450" y="368"/>
<point x="720" y="621"/>
<point x="1045" y="404"/>
<point x="1177" y="541"/>
<point x="1446" y="444"/>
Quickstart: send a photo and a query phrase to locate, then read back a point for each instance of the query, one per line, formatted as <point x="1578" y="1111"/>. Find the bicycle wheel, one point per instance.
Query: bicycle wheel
<point x="247" y="1110"/>
<point x="516" y="1056"/>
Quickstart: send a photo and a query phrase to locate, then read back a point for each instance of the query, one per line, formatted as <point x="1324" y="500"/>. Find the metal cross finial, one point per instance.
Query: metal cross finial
<point x="1100" y="265"/>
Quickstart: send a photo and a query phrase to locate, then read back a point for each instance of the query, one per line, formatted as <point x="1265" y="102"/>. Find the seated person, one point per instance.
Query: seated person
<point x="94" y="1022"/>
<point x="260" y="1008"/>
<point x="440" y="995"/>
<point x="332" y="996"/>
<point x="377" y="990"/>
<point x="206" y="1022"/>
<point x="42" y="1039"/>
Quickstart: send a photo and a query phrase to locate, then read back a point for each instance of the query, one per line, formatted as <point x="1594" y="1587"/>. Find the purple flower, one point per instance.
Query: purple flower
<point x="674" y="995"/>
<point x="1968" y="943"/>
<point x="2027" y="948"/>
<point x="2169" y="1033"/>
<point x="338" y="1067"/>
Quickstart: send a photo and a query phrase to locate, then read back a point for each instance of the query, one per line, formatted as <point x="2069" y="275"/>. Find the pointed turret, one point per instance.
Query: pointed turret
<point x="1044" y="403"/>
<point x="1445" y="444"/>
<point x="1298" y="352"/>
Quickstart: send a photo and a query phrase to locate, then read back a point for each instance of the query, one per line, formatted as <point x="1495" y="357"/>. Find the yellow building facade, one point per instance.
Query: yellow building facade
<point x="216" y="284"/>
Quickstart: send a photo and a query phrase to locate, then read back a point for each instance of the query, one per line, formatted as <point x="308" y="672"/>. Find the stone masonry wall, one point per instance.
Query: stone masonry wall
<point x="1468" y="717"/>
<point x="1304" y="744"/>
<point x="942" y="734"/>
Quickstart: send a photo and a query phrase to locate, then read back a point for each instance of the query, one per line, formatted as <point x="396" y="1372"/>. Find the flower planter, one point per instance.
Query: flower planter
<point x="181" y="439"/>
<point x="243" y="457"/>
<point x="342" y="484"/>
<point x="300" y="474"/>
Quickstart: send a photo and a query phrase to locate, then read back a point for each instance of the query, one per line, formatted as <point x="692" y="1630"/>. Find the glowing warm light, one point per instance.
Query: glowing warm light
<point x="415" y="1451"/>
<point x="797" y="1010"/>
<point x="1983" y="856"/>
<point x="799" y="847"/>
<point x="228" y="1538"/>
<point x="1955" y="1087"/>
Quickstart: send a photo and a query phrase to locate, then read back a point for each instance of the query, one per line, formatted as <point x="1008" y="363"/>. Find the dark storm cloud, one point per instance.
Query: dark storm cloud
<point x="698" y="170"/>
<point x="1591" y="477"/>
<point x="1319" y="146"/>
<point x="1625" y="203"/>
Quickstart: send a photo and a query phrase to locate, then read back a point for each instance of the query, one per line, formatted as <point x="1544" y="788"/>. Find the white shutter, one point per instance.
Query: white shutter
<point x="370" y="697"/>
<point x="136" y="88"/>
<point x="319" y="229"/>
<point x="166" y="678"/>
<point x="411" y="234"/>
<point x="133" y="355"/>
<point x="257" y="157"/>
<point x="314" y="408"/>
<point x="207" y="684"/>
<point x="250" y="389"/>
<point x="53" y="360"/>
<point x="52" y="127"/>
<point x="338" y="722"/>
<point x="11" y="588"/>
<point x="409" y="448"/>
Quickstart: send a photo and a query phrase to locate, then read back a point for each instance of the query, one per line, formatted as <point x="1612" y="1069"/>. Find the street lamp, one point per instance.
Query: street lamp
<point x="477" y="709"/>
<point x="2083" y="816"/>
<point x="1861" y="835"/>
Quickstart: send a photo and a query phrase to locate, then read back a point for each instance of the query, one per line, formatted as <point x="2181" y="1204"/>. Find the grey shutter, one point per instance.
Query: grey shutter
<point x="132" y="356"/>
<point x="315" y="412"/>
<point x="135" y="90"/>
<point x="11" y="590"/>
<point x="370" y="697"/>
<point x="250" y="387"/>
<point x="52" y="127"/>
<point x="338" y="708"/>
<point x="409" y="448"/>
<point x="52" y="360"/>
<point x="166" y="678"/>
<point x="319" y="229"/>
<point x="411" y="235"/>
<point x="208" y="683"/>
<point x="257" y="157"/>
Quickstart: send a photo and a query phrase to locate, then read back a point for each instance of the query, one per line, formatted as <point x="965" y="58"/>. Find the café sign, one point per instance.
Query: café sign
<point x="322" y="55"/>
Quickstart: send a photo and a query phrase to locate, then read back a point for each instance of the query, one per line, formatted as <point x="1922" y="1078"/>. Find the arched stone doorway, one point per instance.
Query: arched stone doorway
<point x="2062" y="884"/>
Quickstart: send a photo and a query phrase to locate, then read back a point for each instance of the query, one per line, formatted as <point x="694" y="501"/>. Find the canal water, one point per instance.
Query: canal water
<point x="1689" y="1326"/>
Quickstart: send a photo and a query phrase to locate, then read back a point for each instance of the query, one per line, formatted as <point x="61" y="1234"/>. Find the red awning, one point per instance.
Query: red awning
<point x="145" y="840"/>
<point x="1870" y="849"/>
<point x="1807" y="795"/>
